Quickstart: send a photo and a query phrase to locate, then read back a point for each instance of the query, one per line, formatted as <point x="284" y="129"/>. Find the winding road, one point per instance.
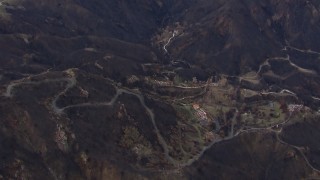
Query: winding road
<point x="72" y="81"/>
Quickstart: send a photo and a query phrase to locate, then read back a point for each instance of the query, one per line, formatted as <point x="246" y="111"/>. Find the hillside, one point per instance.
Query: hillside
<point x="159" y="89"/>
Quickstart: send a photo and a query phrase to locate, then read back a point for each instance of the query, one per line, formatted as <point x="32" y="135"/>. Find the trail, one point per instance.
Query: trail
<point x="315" y="98"/>
<point x="10" y="88"/>
<point x="71" y="82"/>
<point x="283" y="91"/>
<point x="173" y="35"/>
<point x="281" y="141"/>
<point x="111" y="103"/>
<point x="308" y="51"/>
<point x="13" y="84"/>
<point x="198" y="156"/>
<point x="300" y="151"/>
<point x="300" y="69"/>
<point x="232" y="134"/>
<point x="287" y="58"/>
<point x="161" y="140"/>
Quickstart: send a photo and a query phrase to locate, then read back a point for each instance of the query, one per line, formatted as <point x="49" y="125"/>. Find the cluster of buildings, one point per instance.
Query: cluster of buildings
<point x="61" y="138"/>
<point x="201" y="114"/>
<point x="294" y="108"/>
<point x="163" y="83"/>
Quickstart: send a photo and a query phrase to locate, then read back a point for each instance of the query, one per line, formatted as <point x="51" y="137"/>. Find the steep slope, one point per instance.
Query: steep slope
<point x="159" y="89"/>
<point x="236" y="36"/>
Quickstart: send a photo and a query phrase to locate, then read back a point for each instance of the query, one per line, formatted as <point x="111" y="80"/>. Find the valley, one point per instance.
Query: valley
<point x="159" y="89"/>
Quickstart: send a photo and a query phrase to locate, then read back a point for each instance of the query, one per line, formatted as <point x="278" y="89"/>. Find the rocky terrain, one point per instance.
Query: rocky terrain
<point x="159" y="89"/>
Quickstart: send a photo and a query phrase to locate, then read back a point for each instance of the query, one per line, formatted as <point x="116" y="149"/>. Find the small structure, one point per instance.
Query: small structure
<point x="196" y="106"/>
<point x="61" y="138"/>
<point x="290" y="155"/>
<point x="294" y="108"/>
<point x="132" y="79"/>
<point x="83" y="93"/>
<point x="271" y="104"/>
<point x="201" y="115"/>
